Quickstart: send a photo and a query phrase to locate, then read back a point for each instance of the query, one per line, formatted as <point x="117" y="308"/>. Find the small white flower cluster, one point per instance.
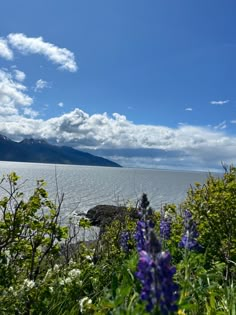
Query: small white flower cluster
<point x="28" y="284"/>
<point x="74" y="273"/>
<point x="56" y="268"/>
<point x="68" y="280"/>
<point x="50" y="272"/>
<point x="83" y="303"/>
<point x="72" y="262"/>
<point x="89" y="258"/>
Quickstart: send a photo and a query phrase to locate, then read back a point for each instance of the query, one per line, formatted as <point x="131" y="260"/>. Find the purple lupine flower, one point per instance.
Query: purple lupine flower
<point x="189" y="239"/>
<point x="140" y="235"/>
<point x="156" y="276"/>
<point x="168" y="289"/>
<point x="165" y="227"/>
<point x="146" y="277"/>
<point x="144" y="225"/>
<point x="124" y="239"/>
<point x="154" y="270"/>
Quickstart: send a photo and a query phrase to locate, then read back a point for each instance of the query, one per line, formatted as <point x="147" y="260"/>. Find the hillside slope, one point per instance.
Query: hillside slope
<point x="40" y="151"/>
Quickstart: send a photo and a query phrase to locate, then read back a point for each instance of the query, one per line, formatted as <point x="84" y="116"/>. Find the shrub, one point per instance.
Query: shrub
<point x="29" y="236"/>
<point x="213" y="206"/>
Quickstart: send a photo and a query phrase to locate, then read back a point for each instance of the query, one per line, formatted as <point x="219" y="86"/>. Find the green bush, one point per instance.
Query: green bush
<point x="29" y="239"/>
<point x="45" y="269"/>
<point x="213" y="206"/>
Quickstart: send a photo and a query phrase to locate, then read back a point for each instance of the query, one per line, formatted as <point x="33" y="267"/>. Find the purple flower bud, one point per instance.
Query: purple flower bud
<point x="144" y="203"/>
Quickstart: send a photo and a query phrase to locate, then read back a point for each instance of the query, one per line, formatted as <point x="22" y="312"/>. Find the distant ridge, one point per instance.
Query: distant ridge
<point x="40" y="151"/>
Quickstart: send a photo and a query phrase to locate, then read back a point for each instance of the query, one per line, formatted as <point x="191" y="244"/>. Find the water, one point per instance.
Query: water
<point x="88" y="186"/>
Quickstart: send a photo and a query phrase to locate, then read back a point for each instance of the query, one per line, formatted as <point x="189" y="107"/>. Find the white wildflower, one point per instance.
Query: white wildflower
<point x="51" y="289"/>
<point x="74" y="273"/>
<point x="29" y="284"/>
<point x="48" y="274"/>
<point x="56" y="268"/>
<point x="68" y="280"/>
<point x="71" y="262"/>
<point x="11" y="289"/>
<point x="83" y="303"/>
<point x="61" y="282"/>
<point x="88" y="257"/>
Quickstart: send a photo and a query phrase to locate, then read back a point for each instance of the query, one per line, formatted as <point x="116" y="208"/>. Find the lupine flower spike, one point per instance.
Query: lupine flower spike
<point x="124" y="239"/>
<point x="165" y="226"/>
<point x="189" y="239"/>
<point x="154" y="270"/>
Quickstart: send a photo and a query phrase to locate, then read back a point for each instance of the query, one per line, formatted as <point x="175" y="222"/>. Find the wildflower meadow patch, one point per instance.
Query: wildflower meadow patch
<point x="174" y="260"/>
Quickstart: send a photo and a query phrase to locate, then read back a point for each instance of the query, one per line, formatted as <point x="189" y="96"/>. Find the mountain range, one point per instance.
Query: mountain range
<point x="40" y="151"/>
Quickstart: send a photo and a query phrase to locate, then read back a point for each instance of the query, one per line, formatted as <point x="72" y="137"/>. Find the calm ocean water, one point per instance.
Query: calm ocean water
<point x="87" y="186"/>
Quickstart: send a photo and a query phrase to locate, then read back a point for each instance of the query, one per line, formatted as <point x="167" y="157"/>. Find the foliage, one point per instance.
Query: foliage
<point x="152" y="264"/>
<point x="213" y="206"/>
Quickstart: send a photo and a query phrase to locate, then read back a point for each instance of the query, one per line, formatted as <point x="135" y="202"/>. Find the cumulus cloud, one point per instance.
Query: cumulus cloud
<point x="40" y="85"/>
<point x="219" y="102"/>
<point x="188" y="109"/>
<point x="120" y="139"/>
<point x="30" y="112"/>
<point x="12" y="94"/>
<point x="19" y="75"/>
<point x="36" y="45"/>
<point x="5" y="51"/>
<point x="60" y="104"/>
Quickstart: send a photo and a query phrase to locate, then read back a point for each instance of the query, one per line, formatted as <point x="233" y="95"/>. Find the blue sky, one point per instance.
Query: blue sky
<point x="145" y="83"/>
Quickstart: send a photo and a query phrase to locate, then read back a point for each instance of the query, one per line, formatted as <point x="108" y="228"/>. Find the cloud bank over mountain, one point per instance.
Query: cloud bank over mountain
<point x="112" y="136"/>
<point x="115" y="136"/>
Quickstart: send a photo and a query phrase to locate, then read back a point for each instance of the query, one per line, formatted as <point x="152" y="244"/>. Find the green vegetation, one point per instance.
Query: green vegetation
<point x="174" y="261"/>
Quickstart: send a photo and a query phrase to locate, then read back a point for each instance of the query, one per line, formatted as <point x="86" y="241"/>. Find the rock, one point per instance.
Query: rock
<point x="103" y="215"/>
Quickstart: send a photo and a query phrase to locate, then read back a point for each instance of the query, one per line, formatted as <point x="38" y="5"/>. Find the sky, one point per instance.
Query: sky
<point x="143" y="83"/>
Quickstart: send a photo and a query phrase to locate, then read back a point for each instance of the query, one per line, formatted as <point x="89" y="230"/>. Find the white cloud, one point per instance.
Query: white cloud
<point x="5" y="51"/>
<point x="188" y="109"/>
<point x="40" y="85"/>
<point x="221" y="125"/>
<point x="30" y="112"/>
<point x="19" y="75"/>
<point x="36" y="45"/>
<point x="183" y="147"/>
<point x="60" y="104"/>
<point x="219" y="102"/>
<point x="233" y="121"/>
<point x="12" y="94"/>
